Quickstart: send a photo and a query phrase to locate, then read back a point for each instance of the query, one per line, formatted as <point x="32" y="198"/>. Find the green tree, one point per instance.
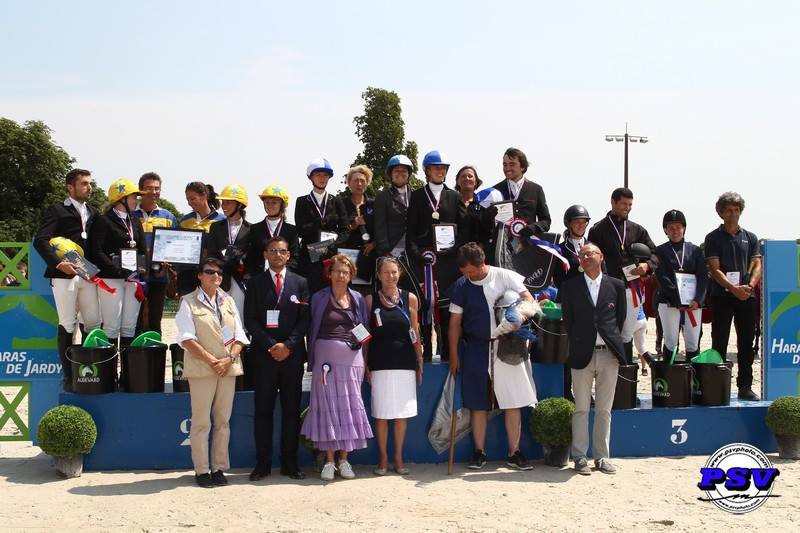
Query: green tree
<point x="381" y="130"/>
<point x="32" y="170"/>
<point x="169" y="206"/>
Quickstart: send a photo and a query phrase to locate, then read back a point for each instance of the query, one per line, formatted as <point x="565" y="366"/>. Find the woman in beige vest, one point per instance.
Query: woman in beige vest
<point x="210" y="331"/>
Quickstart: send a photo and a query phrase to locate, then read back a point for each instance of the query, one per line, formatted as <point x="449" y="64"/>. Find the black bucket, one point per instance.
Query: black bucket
<point x="143" y="368"/>
<point x="246" y="380"/>
<point x="671" y="384"/>
<point x="625" y="393"/>
<point x="711" y="384"/>
<point x="179" y="381"/>
<point x="94" y="370"/>
<point x="551" y="345"/>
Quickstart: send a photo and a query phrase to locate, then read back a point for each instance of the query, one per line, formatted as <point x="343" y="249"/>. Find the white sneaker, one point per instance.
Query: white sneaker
<point x="327" y="472"/>
<point x="346" y="470"/>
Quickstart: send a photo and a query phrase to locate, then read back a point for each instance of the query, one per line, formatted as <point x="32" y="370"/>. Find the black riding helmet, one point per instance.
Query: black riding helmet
<point x="573" y="212"/>
<point x="673" y="215"/>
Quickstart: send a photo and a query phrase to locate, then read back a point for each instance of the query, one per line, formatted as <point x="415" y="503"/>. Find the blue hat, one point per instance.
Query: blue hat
<point x="319" y="164"/>
<point x="435" y="157"/>
<point x="399" y="160"/>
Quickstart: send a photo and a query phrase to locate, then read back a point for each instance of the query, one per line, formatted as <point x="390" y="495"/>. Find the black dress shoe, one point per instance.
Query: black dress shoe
<point x="748" y="395"/>
<point x="219" y="478"/>
<point x="294" y="473"/>
<point x="260" y="472"/>
<point x="204" y="480"/>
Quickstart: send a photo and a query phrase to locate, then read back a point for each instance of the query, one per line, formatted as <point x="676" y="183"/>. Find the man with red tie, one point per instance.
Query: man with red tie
<point x="276" y="315"/>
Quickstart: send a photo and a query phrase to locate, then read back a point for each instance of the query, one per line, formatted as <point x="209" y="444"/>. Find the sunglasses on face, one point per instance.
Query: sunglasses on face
<point x="212" y="272"/>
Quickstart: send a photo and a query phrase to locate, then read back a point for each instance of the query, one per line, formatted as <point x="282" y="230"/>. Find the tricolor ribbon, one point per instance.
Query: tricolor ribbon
<point x="552" y="249"/>
<point x="429" y="287"/>
<point x="636" y="294"/>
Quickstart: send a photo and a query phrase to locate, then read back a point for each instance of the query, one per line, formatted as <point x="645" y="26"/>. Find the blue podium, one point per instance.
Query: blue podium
<point x="151" y="431"/>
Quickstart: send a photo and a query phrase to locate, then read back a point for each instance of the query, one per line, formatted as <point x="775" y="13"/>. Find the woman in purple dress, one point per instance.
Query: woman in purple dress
<point x="336" y="419"/>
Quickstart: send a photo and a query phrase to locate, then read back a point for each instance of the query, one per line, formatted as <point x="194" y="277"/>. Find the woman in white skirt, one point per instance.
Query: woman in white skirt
<point x="394" y="361"/>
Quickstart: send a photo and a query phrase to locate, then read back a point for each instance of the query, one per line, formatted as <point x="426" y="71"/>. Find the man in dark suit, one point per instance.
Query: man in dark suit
<point x="276" y="315"/>
<point x="594" y="308"/>
<point x="71" y="219"/>
<point x="529" y="201"/>
<point x="431" y="205"/>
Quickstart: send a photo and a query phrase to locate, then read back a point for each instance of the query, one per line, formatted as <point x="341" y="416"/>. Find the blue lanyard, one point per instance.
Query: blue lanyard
<point x="398" y="305"/>
<point x="216" y="308"/>
<point x="280" y="294"/>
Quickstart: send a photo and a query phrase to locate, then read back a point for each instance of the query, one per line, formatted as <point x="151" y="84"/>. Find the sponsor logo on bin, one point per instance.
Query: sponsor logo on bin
<point x="177" y="371"/>
<point x="88" y="374"/>
<point x="661" y="388"/>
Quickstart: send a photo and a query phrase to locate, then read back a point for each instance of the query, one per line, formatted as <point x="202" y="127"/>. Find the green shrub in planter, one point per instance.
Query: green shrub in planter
<point x="551" y="422"/>
<point x="66" y="431"/>
<point x="783" y="416"/>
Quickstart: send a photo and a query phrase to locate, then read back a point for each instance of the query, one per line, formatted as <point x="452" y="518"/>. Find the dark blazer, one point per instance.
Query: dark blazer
<point x="259" y="237"/>
<point x="218" y="240"/>
<point x="390" y="219"/>
<point x="568" y="251"/>
<point x="309" y="225"/>
<point x="693" y="263"/>
<point x="605" y="234"/>
<point x="583" y="321"/>
<point x="109" y="235"/>
<point x="294" y="314"/>
<point x="531" y="205"/>
<point x="61" y="220"/>
<point x="419" y="234"/>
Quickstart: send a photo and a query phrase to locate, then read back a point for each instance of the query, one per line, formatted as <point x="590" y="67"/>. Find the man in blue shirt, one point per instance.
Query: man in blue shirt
<point x="152" y="217"/>
<point x="733" y="255"/>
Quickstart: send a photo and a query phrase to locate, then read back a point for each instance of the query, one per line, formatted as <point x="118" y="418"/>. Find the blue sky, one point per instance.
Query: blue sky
<point x="250" y="91"/>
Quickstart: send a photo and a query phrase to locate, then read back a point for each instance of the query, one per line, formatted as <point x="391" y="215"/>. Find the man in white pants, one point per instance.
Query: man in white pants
<point x="594" y="310"/>
<point x="71" y="219"/>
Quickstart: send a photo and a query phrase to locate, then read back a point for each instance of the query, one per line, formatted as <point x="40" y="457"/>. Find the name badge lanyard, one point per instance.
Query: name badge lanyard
<point x="345" y="312"/>
<point x="280" y="294"/>
<point x="434" y="203"/>
<point x="398" y="305"/>
<point x="214" y="307"/>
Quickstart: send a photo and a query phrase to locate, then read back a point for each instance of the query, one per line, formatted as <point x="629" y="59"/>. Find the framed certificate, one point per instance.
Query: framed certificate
<point x="177" y="246"/>
<point x="505" y="211"/>
<point x="687" y="287"/>
<point x="444" y="236"/>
